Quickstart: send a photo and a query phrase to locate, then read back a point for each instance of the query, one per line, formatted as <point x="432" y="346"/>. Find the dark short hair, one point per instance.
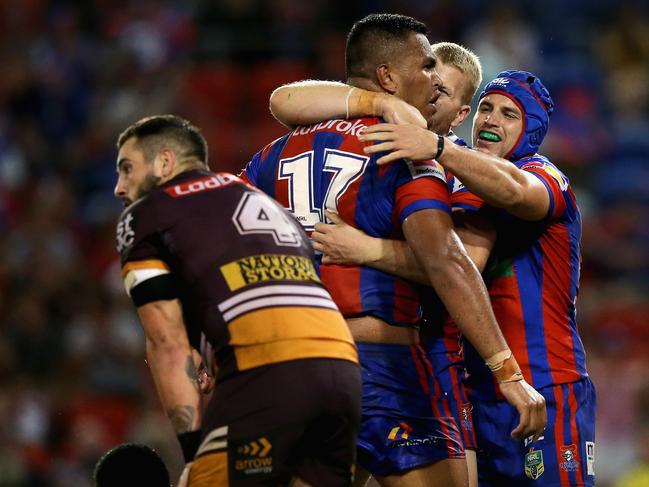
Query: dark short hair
<point x="130" y="465"/>
<point x="158" y="131"/>
<point x="371" y="41"/>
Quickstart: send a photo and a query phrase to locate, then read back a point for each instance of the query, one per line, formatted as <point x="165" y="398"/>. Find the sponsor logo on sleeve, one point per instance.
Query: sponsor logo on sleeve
<point x="534" y="466"/>
<point x="268" y="267"/>
<point x="125" y="233"/>
<point x="422" y="169"/>
<point x="550" y="170"/>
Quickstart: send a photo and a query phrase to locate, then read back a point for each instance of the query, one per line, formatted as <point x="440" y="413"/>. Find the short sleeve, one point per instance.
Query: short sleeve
<point x="137" y="242"/>
<point x="421" y="186"/>
<point x="554" y="181"/>
<point x="249" y="173"/>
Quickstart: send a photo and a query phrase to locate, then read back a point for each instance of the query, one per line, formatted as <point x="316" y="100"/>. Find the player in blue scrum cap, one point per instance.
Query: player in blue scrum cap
<point x="533" y="99"/>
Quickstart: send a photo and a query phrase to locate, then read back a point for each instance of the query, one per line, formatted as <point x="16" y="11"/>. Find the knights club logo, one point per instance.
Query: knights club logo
<point x="570" y="457"/>
<point x="534" y="466"/>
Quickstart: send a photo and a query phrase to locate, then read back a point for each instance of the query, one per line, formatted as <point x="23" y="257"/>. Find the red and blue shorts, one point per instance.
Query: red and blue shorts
<point x="406" y="421"/>
<point x="448" y="369"/>
<point x="564" y="456"/>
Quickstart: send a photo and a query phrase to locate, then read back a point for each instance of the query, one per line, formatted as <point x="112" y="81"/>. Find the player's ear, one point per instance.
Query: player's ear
<point x="167" y="161"/>
<point x="461" y="116"/>
<point x="387" y="78"/>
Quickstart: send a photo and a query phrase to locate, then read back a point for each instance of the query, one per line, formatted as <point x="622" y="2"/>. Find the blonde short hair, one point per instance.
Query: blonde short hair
<point x="463" y="59"/>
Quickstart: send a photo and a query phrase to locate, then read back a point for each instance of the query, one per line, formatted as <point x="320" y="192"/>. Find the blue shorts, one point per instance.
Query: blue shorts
<point x="448" y="369"/>
<point x="403" y="423"/>
<point x="565" y="454"/>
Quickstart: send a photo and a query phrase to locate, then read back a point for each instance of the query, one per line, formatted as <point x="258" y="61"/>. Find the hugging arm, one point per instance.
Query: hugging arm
<point x="311" y="101"/>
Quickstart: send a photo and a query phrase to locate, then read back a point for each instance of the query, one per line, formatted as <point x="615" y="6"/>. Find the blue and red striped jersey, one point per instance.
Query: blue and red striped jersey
<point x="323" y="167"/>
<point x="533" y="282"/>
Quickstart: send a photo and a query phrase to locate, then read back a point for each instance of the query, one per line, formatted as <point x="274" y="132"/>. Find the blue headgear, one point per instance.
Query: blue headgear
<point x="534" y="101"/>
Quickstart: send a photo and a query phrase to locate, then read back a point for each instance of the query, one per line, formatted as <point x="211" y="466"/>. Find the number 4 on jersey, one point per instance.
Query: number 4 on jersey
<point x="306" y="201"/>
<point x="254" y="214"/>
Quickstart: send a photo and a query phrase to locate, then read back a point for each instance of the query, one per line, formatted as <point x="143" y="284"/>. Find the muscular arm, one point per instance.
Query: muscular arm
<point x="457" y="282"/>
<point x="343" y="244"/>
<point x="170" y="360"/>
<point x="477" y="234"/>
<point x="311" y="101"/>
<point x="438" y="255"/>
<point x="497" y="181"/>
<point x="455" y="278"/>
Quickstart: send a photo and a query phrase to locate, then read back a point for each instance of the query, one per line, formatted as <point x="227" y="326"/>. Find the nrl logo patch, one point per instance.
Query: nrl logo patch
<point x="534" y="466"/>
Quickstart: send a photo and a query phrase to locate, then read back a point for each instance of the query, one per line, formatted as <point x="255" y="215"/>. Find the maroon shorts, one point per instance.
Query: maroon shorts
<point x="269" y="424"/>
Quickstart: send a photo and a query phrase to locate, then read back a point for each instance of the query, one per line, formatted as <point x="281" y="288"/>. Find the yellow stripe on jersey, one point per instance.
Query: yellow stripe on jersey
<point x="280" y="334"/>
<point x="283" y="351"/>
<point x="137" y="272"/>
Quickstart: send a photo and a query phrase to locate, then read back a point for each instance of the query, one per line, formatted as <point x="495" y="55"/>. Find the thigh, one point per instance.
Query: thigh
<point x="563" y="456"/>
<point x="445" y="473"/>
<point x="404" y="425"/>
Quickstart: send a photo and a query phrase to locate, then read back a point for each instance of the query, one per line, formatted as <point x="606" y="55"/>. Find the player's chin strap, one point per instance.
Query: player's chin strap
<point x="504" y="367"/>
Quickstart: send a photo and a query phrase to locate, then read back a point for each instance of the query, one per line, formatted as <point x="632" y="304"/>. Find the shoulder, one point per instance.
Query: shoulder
<point x="452" y="137"/>
<point x="542" y="166"/>
<point x="136" y="220"/>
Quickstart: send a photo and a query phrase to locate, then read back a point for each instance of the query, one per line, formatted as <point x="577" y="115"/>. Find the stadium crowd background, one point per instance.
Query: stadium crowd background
<point x="73" y="381"/>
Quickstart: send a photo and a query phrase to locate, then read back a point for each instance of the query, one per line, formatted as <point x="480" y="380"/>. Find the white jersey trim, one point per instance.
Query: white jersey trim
<point x="275" y="295"/>
<point x="138" y="276"/>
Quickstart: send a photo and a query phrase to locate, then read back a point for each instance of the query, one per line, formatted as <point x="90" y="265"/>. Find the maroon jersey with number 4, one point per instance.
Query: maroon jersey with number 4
<point x="242" y="268"/>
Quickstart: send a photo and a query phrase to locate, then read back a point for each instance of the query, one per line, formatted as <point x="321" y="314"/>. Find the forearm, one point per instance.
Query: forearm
<point x="455" y="278"/>
<point x="397" y="258"/>
<point x="308" y="102"/>
<point x="175" y="377"/>
<point x="461" y="289"/>
<point x="495" y="180"/>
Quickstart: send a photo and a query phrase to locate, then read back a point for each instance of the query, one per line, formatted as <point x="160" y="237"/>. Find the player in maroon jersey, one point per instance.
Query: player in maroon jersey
<point x="207" y="259"/>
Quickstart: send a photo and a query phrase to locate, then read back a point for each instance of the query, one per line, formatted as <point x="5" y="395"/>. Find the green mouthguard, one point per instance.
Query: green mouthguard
<point x="489" y="136"/>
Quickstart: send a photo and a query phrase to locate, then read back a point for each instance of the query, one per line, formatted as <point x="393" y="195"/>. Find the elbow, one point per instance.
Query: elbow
<point x="278" y="99"/>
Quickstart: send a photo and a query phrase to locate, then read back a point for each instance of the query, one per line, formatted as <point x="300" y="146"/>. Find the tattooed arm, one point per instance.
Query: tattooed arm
<point x="169" y="357"/>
